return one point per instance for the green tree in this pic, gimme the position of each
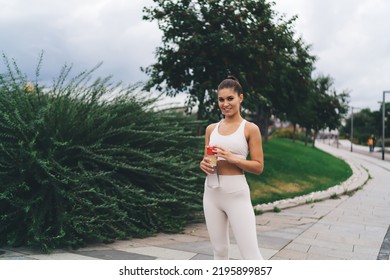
(363, 125)
(325, 108)
(293, 85)
(366, 123)
(205, 40)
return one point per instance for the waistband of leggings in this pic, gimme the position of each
(231, 183)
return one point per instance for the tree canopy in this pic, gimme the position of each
(204, 41)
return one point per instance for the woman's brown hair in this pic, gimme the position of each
(231, 82)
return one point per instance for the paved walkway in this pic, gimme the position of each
(354, 226)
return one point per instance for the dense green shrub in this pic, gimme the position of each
(283, 133)
(289, 134)
(86, 160)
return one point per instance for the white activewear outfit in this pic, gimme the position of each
(230, 203)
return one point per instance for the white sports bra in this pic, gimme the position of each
(236, 142)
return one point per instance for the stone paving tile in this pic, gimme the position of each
(267, 253)
(202, 257)
(318, 227)
(323, 256)
(325, 244)
(162, 253)
(366, 250)
(304, 248)
(94, 247)
(62, 256)
(298, 229)
(309, 234)
(333, 237)
(200, 247)
(280, 233)
(115, 255)
(120, 244)
(372, 236)
(364, 256)
(287, 254)
(330, 253)
(275, 258)
(270, 242)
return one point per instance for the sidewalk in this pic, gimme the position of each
(355, 226)
(346, 145)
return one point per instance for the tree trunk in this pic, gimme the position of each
(266, 126)
(314, 138)
(262, 120)
(200, 113)
(306, 136)
(294, 132)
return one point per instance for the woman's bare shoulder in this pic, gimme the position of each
(252, 130)
(211, 127)
(251, 127)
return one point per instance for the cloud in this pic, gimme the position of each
(349, 38)
(82, 33)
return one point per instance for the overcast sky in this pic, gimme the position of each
(349, 37)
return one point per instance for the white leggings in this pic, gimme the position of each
(231, 203)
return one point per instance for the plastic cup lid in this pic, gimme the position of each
(210, 150)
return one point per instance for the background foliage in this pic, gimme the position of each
(205, 40)
(87, 160)
(367, 123)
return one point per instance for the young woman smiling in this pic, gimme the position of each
(229, 202)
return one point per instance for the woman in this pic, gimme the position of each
(229, 202)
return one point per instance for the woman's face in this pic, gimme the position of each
(229, 101)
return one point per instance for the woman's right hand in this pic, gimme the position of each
(206, 166)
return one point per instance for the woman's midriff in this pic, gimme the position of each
(226, 168)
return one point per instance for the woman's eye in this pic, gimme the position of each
(228, 99)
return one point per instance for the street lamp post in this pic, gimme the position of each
(383, 124)
(351, 128)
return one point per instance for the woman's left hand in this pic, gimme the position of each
(225, 154)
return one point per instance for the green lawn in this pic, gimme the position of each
(293, 169)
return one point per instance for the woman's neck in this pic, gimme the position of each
(233, 119)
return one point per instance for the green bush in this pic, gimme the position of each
(283, 133)
(288, 133)
(87, 160)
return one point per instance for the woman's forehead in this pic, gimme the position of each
(225, 92)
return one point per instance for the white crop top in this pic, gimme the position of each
(236, 142)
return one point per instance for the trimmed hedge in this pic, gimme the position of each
(88, 160)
